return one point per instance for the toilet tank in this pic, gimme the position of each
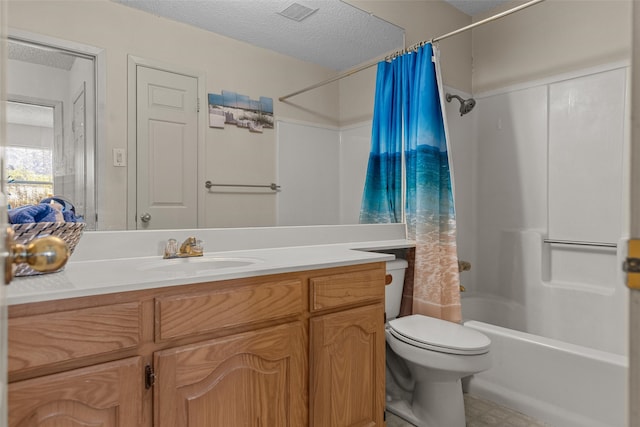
(393, 291)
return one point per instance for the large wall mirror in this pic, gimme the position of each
(73, 126)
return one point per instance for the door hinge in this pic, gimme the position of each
(198, 105)
(149, 377)
(631, 264)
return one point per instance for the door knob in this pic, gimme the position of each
(145, 217)
(48, 253)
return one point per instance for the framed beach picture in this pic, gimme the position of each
(232, 108)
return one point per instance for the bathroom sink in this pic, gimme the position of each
(196, 265)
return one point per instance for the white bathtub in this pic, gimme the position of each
(562, 384)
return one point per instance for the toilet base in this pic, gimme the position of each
(439, 403)
(402, 409)
(434, 404)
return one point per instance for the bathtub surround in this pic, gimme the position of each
(517, 175)
(522, 194)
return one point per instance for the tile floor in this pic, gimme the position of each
(482, 413)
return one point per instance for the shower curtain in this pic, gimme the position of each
(382, 200)
(415, 89)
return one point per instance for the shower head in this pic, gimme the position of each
(466, 105)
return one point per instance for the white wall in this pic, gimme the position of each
(549, 38)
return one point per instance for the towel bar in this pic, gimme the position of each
(580, 243)
(271, 186)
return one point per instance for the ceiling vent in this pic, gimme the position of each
(297, 12)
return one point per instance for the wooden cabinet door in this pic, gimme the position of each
(347, 368)
(255, 379)
(106, 395)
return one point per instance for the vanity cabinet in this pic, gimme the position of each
(291, 349)
(347, 352)
(249, 379)
(106, 395)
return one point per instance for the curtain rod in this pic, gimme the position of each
(412, 47)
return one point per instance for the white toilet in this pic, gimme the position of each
(426, 359)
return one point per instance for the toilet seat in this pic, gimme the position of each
(439, 335)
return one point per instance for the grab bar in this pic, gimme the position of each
(579, 243)
(272, 186)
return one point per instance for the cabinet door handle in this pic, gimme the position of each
(149, 377)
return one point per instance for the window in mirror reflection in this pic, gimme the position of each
(29, 153)
(51, 125)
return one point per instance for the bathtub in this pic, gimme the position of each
(562, 384)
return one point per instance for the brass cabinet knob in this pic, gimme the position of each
(48, 253)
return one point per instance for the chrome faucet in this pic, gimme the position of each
(191, 247)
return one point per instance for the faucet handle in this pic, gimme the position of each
(171, 248)
(198, 247)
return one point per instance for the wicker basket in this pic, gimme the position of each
(70, 232)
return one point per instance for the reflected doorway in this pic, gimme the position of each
(51, 124)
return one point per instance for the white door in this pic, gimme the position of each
(3, 305)
(3, 222)
(634, 252)
(167, 149)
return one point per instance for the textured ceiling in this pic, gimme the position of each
(26, 52)
(337, 36)
(474, 7)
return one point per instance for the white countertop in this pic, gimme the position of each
(103, 276)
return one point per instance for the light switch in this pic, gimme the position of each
(119, 157)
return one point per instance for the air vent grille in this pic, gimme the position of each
(297, 12)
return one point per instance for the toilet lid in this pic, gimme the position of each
(439, 335)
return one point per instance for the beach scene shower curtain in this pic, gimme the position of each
(382, 200)
(429, 204)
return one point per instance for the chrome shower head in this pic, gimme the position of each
(466, 105)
